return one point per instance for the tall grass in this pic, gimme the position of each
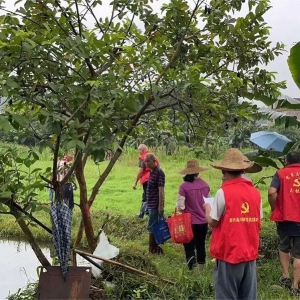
(117, 195)
(118, 203)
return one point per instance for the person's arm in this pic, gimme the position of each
(211, 222)
(180, 204)
(272, 196)
(214, 213)
(272, 192)
(161, 195)
(138, 176)
(261, 210)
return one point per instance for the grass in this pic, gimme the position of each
(118, 203)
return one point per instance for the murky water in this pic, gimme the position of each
(18, 265)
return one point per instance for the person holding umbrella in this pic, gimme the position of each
(284, 200)
(235, 219)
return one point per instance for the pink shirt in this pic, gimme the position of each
(193, 193)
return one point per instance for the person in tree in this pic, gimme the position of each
(143, 176)
(63, 167)
(190, 199)
(284, 200)
(235, 218)
(155, 196)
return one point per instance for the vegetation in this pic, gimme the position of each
(118, 207)
(75, 87)
(86, 88)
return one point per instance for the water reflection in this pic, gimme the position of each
(19, 265)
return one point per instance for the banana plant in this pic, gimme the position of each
(294, 63)
(269, 157)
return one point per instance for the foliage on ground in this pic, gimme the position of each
(189, 285)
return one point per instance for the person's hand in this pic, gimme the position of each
(161, 210)
(134, 187)
(207, 207)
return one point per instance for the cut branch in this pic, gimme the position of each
(116, 263)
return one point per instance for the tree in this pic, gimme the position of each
(95, 86)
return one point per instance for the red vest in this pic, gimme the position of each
(287, 205)
(146, 171)
(235, 239)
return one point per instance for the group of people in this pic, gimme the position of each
(152, 178)
(235, 217)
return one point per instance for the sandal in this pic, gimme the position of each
(285, 282)
(294, 291)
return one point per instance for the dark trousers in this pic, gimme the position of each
(145, 184)
(198, 244)
(144, 209)
(68, 195)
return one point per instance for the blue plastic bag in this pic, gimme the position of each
(161, 231)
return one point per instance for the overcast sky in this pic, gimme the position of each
(284, 19)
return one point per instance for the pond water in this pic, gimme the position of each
(18, 265)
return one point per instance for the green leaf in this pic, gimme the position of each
(5, 194)
(71, 144)
(98, 155)
(12, 83)
(80, 144)
(294, 63)
(21, 120)
(265, 162)
(4, 124)
(56, 127)
(53, 86)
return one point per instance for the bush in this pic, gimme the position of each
(269, 240)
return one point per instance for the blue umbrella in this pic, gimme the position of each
(61, 217)
(269, 140)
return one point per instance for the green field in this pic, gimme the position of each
(117, 195)
(121, 202)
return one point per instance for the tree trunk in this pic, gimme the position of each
(79, 234)
(85, 211)
(35, 247)
(92, 198)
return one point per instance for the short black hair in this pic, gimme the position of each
(293, 157)
(234, 173)
(190, 177)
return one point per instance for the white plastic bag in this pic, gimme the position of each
(104, 249)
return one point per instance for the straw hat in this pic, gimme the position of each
(234, 160)
(192, 167)
(255, 168)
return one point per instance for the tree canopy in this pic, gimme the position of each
(83, 87)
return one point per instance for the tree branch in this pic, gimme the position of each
(55, 159)
(78, 19)
(224, 64)
(175, 55)
(78, 109)
(92, 12)
(20, 15)
(63, 11)
(138, 115)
